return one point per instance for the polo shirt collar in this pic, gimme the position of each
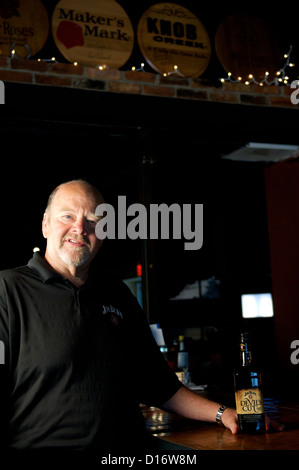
(38, 264)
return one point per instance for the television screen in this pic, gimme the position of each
(257, 305)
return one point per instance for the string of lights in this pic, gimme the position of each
(174, 71)
(281, 77)
(141, 68)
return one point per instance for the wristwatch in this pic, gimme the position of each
(219, 414)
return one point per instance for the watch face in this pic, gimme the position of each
(220, 413)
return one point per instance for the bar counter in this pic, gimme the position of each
(210, 436)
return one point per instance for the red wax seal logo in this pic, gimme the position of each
(70, 34)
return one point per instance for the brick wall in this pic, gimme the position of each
(141, 83)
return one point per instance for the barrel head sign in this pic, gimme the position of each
(93, 32)
(24, 27)
(245, 46)
(170, 35)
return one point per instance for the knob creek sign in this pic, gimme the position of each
(93, 32)
(169, 35)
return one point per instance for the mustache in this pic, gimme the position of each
(78, 238)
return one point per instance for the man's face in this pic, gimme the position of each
(70, 226)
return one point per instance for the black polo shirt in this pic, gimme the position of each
(79, 361)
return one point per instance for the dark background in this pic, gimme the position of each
(52, 135)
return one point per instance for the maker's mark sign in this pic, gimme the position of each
(93, 32)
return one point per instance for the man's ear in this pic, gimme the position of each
(45, 225)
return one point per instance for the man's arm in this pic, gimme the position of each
(190, 405)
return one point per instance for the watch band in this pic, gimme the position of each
(219, 414)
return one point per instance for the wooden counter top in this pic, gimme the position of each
(209, 436)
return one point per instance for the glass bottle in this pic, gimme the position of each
(248, 392)
(183, 355)
(183, 361)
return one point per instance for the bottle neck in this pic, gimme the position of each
(181, 343)
(245, 353)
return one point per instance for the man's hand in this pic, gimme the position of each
(230, 420)
(274, 426)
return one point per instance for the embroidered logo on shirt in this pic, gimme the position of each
(115, 315)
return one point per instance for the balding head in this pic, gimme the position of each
(78, 185)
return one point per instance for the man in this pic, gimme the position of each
(80, 356)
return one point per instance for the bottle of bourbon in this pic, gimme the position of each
(248, 392)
